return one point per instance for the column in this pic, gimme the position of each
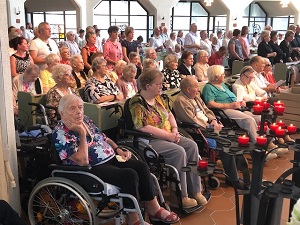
(90, 5)
(296, 7)
(80, 6)
(163, 11)
(8, 153)
(16, 13)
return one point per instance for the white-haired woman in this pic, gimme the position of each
(46, 75)
(202, 65)
(117, 72)
(217, 95)
(127, 83)
(62, 75)
(77, 71)
(99, 88)
(65, 55)
(29, 81)
(172, 77)
(79, 142)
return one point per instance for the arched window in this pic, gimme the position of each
(185, 13)
(123, 13)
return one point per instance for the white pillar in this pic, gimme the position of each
(16, 13)
(80, 6)
(90, 5)
(296, 7)
(8, 151)
(235, 13)
(163, 11)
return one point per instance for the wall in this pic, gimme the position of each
(7, 131)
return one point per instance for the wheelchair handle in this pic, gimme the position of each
(175, 93)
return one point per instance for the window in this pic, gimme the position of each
(60, 21)
(185, 13)
(124, 13)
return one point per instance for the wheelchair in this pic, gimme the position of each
(165, 173)
(72, 195)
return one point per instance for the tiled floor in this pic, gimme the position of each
(220, 210)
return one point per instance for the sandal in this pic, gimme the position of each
(172, 218)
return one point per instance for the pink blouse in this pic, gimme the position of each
(112, 51)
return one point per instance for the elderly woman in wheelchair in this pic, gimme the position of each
(151, 115)
(78, 141)
(190, 108)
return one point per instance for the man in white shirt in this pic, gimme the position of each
(28, 34)
(258, 64)
(98, 40)
(156, 41)
(43, 45)
(71, 44)
(192, 41)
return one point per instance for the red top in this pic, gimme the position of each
(215, 59)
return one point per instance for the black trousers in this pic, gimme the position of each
(8, 216)
(132, 177)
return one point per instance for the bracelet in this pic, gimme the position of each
(115, 97)
(115, 149)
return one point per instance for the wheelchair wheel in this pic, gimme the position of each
(58, 200)
(213, 183)
(134, 152)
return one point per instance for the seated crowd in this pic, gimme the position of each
(114, 71)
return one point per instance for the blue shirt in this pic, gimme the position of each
(214, 93)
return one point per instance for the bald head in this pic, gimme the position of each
(187, 82)
(257, 63)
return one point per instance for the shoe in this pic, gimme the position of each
(189, 203)
(271, 146)
(271, 155)
(287, 138)
(281, 151)
(201, 200)
(172, 218)
(239, 184)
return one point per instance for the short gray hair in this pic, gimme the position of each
(169, 59)
(129, 69)
(188, 81)
(66, 100)
(50, 58)
(264, 34)
(74, 58)
(147, 63)
(148, 51)
(119, 64)
(96, 63)
(32, 68)
(201, 53)
(59, 70)
(214, 72)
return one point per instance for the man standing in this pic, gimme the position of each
(42, 46)
(192, 41)
(71, 44)
(28, 34)
(98, 40)
(156, 41)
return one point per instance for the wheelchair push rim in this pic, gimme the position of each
(60, 201)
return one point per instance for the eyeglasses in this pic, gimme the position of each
(50, 49)
(252, 78)
(68, 74)
(268, 65)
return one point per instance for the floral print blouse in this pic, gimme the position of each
(67, 142)
(171, 79)
(143, 114)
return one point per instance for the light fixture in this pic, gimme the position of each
(208, 2)
(284, 3)
(17, 10)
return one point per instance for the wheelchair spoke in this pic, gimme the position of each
(59, 204)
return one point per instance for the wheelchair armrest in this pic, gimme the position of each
(71, 167)
(189, 125)
(138, 133)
